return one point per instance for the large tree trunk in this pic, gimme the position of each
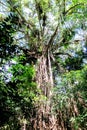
(44, 119)
(44, 75)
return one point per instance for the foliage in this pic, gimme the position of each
(8, 26)
(71, 95)
(29, 30)
(17, 95)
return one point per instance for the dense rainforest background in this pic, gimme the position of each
(43, 64)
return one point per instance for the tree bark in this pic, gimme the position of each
(44, 76)
(44, 119)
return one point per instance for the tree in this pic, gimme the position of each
(43, 35)
(70, 100)
(18, 94)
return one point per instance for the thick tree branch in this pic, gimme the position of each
(52, 38)
(61, 53)
(41, 16)
(30, 25)
(30, 53)
(73, 7)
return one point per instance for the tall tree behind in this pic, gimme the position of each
(41, 33)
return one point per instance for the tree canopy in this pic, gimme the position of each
(43, 64)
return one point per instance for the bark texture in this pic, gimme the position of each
(44, 75)
(44, 118)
